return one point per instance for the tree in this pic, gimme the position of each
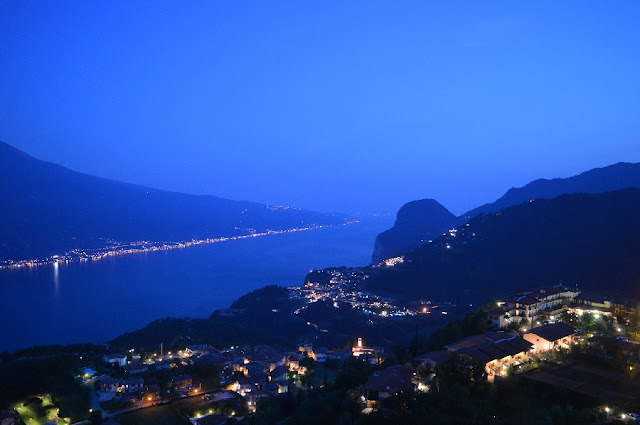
(95, 417)
(415, 343)
(462, 369)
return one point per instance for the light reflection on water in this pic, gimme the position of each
(96, 301)
(56, 279)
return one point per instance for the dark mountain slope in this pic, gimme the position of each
(411, 233)
(598, 180)
(417, 222)
(592, 240)
(48, 209)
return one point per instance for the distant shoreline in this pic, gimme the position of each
(120, 248)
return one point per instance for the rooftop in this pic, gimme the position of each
(526, 299)
(594, 298)
(498, 350)
(476, 340)
(627, 302)
(545, 291)
(435, 356)
(212, 358)
(606, 341)
(107, 380)
(553, 331)
(279, 371)
(392, 379)
(484, 347)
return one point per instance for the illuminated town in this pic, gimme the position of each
(343, 288)
(114, 249)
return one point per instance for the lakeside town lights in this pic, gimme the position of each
(133, 247)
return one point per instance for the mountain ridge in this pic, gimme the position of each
(596, 180)
(613, 177)
(592, 240)
(50, 209)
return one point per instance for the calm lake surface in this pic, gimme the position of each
(96, 301)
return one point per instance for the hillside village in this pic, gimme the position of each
(549, 335)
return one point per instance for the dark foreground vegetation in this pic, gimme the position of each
(332, 392)
(53, 374)
(267, 316)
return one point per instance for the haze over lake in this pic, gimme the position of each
(96, 301)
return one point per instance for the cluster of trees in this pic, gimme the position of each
(473, 323)
(455, 404)
(264, 316)
(590, 322)
(53, 374)
(93, 350)
(336, 402)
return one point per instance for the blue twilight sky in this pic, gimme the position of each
(341, 106)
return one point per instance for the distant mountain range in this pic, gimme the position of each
(48, 209)
(419, 221)
(589, 240)
(598, 180)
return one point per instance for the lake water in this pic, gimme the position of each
(96, 301)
